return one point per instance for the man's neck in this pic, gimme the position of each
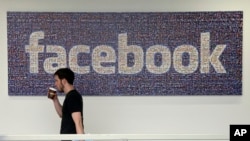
(68, 88)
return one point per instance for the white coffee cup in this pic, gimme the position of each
(51, 93)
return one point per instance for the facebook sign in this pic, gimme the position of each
(127, 54)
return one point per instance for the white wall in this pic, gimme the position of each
(170, 114)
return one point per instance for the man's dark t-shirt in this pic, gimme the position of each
(72, 103)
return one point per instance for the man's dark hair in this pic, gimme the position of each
(65, 73)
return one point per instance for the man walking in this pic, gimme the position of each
(71, 112)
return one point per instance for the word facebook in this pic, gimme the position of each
(207, 59)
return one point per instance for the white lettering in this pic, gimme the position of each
(166, 59)
(33, 49)
(73, 61)
(98, 59)
(58, 62)
(239, 132)
(123, 51)
(206, 58)
(104, 59)
(193, 59)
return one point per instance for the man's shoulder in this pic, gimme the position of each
(73, 93)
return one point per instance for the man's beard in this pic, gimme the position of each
(61, 89)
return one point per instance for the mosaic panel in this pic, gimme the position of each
(127, 54)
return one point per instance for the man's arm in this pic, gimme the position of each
(58, 106)
(78, 122)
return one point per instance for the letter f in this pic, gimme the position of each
(33, 49)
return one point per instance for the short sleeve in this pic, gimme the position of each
(75, 103)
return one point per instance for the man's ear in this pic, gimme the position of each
(64, 81)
